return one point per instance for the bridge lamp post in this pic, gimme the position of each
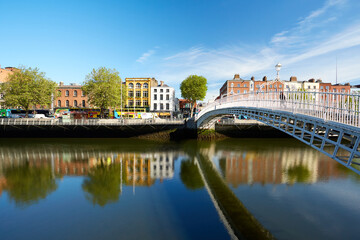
(277, 68)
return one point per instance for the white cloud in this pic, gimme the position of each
(145, 56)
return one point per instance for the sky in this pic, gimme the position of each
(172, 39)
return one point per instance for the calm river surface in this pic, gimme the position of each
(134, 189)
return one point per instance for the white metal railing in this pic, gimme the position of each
(337, 107)
(88, 122)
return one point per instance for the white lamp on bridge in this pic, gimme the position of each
(277, 68)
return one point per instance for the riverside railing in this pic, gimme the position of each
(88, 122)
(336, 107)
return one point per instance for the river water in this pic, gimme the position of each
(135, 189)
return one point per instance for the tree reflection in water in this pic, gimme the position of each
(190, 176)
(102, 186)
(27, 184)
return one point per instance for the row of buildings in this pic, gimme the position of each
(238, 85)
(143, 95)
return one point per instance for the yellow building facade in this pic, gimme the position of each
(138, 92)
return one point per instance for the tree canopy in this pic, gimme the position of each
(193, 88)
(28, 87)
(103, 87)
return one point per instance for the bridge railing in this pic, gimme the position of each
(337, 107)
(87, 122)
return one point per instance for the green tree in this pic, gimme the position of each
(27, 88)
(103, 184)
(103, 88)
(26, 185)
(193, 88)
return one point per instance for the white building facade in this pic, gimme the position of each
(163, 99)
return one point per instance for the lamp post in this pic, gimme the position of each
(121, 99)
(277, 68)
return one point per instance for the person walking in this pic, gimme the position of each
(282, 99)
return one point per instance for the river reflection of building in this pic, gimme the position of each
(278, 166)
(139, 169)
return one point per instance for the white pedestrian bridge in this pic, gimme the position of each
(328, 122)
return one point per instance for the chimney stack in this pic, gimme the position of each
(253, 78)
(61, 84)
(311, 80)
(237, 76)
(161, 83)
(293, 79)
(265, 78)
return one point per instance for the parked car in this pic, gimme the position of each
(39, 116)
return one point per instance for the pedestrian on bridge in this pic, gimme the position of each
(282, 99)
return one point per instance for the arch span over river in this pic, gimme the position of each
(318, 119)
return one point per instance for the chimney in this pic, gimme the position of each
(237, 76)
(265, 78)
(253, 78)
(293, 79)
(319, 81)
(347, 84)
(311, 80)
(61, 84)
(161, 83)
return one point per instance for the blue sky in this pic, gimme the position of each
(172, 39)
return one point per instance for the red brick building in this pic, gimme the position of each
(71, 96)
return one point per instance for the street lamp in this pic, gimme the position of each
(277, 68)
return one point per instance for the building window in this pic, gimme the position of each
(131, 85)
(145, 94)
(232, 84)
(161, 90)
(131, 103)
(245, 85)
(155, 97)
(167, 97)
(75, 103)
(138, 94)
(161, 97)
(59, 103)
(82, 94)
(258, 86)
(161, 106)
(67, 103)
(308, 87)
(145, 103)
(145, 85)
(244, 91)
(155, 90)
(138, 85)
(59, 93)
(83, 103)
(343, 90)
(138, 103)
(238, 91)
(66, 93)
(280, 86)
(131, 93)
(75, 93)
(167, 90)
(327, 87)
(270, 86)
(167, 106)
(321, 87)
(155, 106)
(238, 85)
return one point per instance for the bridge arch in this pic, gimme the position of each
(316, 119)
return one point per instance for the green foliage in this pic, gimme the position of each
(103, 88)
(190, 175)
(26, 185)
(28, 87)
(103, 184)
(194, 88)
